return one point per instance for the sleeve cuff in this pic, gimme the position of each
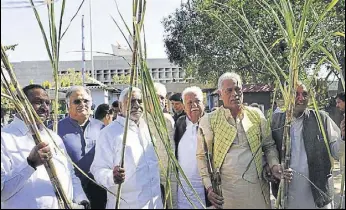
(26, 169)
(207, 183)
(80, 197)
(273, 161)
(110, 180)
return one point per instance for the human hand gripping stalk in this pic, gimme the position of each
(215, 191)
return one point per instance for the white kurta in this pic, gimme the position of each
(239, 184)
(21, 185)
(141, 188)
(299, 190)
(188, 162)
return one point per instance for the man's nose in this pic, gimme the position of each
(135, 103)
(194, 104)
(45, 105)
(300, 97)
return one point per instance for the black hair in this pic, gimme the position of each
(27, 88)
(102, 110)
(176, 97)
(254, 105)
(341, 96)
(115, 104)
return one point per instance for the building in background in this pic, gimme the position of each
(253, 93)
(105, 68)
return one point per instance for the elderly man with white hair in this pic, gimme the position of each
(79, 132)
(185, 138)
(140, 176)
(236, 135)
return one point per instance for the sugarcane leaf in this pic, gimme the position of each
(329, 7)
(42, 30)
(122, 33)
(338, 33)
(74, 16)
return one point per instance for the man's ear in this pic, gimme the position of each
(219, 92)
(120, 107)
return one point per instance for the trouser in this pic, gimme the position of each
(96, 195)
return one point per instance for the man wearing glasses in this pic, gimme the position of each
(79, 132)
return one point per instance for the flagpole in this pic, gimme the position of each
(83, 52)
(91, 41)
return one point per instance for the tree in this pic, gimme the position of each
(123, 79)
(197, 40)
(72, 77)
(5, 102)
(46, 84)
(10, 47)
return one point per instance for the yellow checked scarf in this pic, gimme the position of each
(225, 133)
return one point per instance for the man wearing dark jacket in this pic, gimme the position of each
(185, 138)
(309, 154)
(178, 106)
(79, 132)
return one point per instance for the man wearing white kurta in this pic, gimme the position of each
(24, 180)
(185, 138)
(141, 185)
(309, 154)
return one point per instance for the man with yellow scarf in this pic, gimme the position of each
(240, 143)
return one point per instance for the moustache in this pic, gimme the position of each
(41, 111)
(136, 110)
(82, 108)
(236, 99)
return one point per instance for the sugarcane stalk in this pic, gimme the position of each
(27, 116)
(148, 88)
(133, 71)
(214, 174)
(342, 169)
(342, 192)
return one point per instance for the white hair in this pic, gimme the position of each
(160, 89)
(125, 92)
(300, 83)
(230, 75)
(195, 90)
(73, 89)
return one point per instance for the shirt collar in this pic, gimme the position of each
(189, 122)
(228, 113)
(21, 126)
(122, 121)
(75, 122)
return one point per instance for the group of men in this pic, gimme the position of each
(230, 156)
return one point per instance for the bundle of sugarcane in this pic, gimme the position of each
(140, 70)
(214, 174)
(26, 112)
(53, 44)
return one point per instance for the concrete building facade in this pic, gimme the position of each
(105, 68)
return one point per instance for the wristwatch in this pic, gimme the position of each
(31, 163)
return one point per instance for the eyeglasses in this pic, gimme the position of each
(133, 101)
(79, 101)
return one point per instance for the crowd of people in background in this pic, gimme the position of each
(245, 151)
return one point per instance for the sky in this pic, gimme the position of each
(19, 26)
